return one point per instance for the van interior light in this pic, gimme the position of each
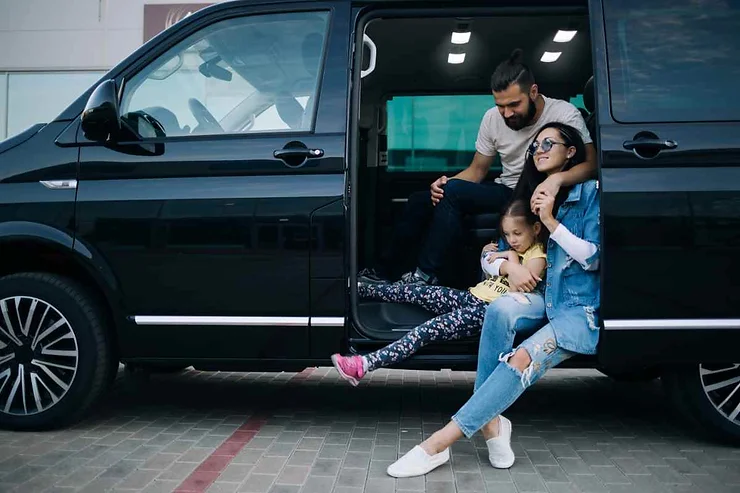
(456, 58)
(549, 56)
(460, 38)
(564, 36)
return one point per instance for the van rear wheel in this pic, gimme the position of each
(54, 356)
(708, 395)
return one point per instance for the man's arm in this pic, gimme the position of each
(581, 172)
(477, 170)
(577, 174)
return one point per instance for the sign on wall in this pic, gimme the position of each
(157, 18)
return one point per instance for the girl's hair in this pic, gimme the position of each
(531, 177)
(520, 208)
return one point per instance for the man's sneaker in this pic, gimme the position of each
(350, 368)
(417, 277)
(371, 276)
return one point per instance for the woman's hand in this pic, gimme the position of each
(551, 185)
(542, 205)
(520, 278)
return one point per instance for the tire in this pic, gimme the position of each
(707, 396)
(632, 375)
(54, 356)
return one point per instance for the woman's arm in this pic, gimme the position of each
(579, 250)
(536, 266)
(584, 250)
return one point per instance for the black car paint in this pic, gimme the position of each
(217, 226)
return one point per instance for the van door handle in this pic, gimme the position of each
(652, 144)
(297, 152)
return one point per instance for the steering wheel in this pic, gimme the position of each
(204, 117)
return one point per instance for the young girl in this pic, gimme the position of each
(569, 311)
(460, 313)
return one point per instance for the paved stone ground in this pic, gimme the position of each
(575, 431)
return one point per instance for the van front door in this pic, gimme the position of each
(211, 233)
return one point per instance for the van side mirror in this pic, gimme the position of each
(100, 118)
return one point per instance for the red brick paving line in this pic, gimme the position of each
(211, 468)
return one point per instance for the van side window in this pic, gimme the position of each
(434, 133)
(673, 60)
(250, 74)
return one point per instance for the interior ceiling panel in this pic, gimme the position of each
(412, 54)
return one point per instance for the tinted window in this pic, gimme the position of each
(673, 60)
(434, 133)
(250, 74)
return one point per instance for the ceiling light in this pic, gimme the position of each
(456, 58)
(564, 36)
(549, 56)
(460, 38)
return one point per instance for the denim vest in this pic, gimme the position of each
(572, 293)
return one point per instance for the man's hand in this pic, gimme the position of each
(520, 278)
(551, 185)
(436, 189)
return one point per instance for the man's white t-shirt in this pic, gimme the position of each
(511, 145)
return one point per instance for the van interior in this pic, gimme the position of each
(418, 120)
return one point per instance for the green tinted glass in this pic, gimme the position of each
(434, 133)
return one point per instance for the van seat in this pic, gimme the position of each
(483, 227)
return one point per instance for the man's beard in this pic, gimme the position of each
(518, 122)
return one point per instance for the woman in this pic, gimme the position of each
(569, 310)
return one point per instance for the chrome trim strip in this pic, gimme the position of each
(59, 184)
(698, 323)
(204, 320)
(239, 321)
(400, 200)
(327, 321)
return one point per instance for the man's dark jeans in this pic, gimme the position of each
(435, 231)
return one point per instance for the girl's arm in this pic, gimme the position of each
(491, 263)
(509, 255)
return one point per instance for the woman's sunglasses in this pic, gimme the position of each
(546, 145)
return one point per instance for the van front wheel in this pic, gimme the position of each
(54, 356)
(708, 395)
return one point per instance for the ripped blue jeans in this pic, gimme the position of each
(497, 383)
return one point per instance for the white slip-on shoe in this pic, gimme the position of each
(500, 453)
(417, 462)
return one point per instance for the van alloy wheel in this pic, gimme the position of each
(721, 384)
(39, 356)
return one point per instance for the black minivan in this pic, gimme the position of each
(211, 199)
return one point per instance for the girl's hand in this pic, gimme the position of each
(491, 247)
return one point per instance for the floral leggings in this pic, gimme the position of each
(460, 314)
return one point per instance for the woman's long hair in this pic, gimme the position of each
(531, 177)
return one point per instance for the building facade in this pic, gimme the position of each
(53, 50)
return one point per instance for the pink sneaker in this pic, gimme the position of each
(349, 367)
